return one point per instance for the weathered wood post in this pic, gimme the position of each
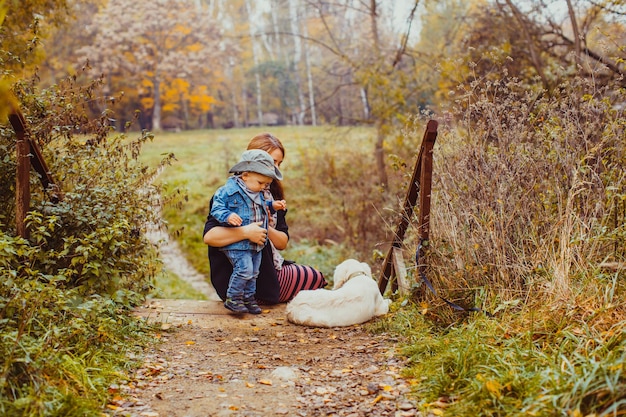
(22, 179)
(426, 180)
(420, 185)
(28, 154)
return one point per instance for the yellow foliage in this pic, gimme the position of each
(493, 387)
(185, 30)
(147, 83)
(8, 101)
(200, 99)
(147, 103)
(173, 93)
(195, 47)
(3, 11)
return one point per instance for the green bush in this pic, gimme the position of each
(66, 292)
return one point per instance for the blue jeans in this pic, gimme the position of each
(246, 265)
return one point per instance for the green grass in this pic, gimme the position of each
(169, 285)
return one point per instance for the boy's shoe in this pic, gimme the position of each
(252, 306)
(235, 305)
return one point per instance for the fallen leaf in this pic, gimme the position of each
(377, 399)
(494, 387)
(249, 385)
(437, 411)
(265, 382)
(190, 342)
(233, 407)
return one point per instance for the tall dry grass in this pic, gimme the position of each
(527, 222)
(529, 197)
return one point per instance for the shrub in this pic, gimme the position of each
(528, 192)
(528, 222)
(64, 304)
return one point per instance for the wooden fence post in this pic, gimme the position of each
(22, 179)
(423, 224)
(393, 266)
(26, 151)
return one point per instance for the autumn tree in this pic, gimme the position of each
(25, 24)
(153, 47)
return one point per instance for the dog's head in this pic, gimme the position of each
(348, 269)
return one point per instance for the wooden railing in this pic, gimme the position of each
(421, 185)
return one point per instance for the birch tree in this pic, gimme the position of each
(256, 58)
(297, 57)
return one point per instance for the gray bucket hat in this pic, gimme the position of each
(259, 161)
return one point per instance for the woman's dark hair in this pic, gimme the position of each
(269, 143)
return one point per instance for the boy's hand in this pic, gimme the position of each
(234, 220)
(279, 205)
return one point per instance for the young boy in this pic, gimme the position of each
(239, 202)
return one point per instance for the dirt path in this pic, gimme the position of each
(211, 363)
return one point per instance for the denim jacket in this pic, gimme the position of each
(230, 198)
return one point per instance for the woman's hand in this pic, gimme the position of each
(220, 236)
(255, 233)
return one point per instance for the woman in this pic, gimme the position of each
(279, 280)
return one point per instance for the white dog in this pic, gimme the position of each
(355, 298)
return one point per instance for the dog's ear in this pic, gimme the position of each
(339, 275)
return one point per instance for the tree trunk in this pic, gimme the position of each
(255, 58)
(156, 111)
(576, 32)
(297, 57)
(382, 122)
(309, 76)
(366, 104)
(534, 55)
(379, 153)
